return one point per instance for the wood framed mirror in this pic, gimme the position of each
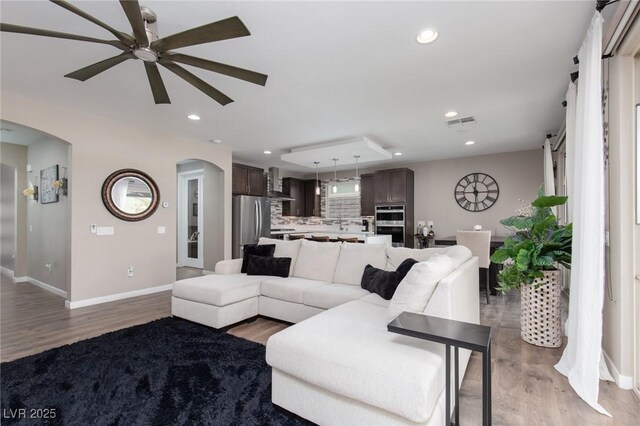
(130, 195)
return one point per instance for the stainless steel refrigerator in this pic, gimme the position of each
(251, 220)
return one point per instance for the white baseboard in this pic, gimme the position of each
(623, 382)
(205, 272)
(118, 296)
(6, 271)
(42, 285)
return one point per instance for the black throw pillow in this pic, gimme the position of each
(384, 283)
(269, 265)
(256, 250)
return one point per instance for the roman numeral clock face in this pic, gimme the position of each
(476, 192)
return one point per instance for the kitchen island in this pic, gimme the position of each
(367, 237)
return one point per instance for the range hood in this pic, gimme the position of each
(274, 181)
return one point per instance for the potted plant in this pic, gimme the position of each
(531, 257)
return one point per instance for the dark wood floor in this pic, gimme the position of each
(526, 388)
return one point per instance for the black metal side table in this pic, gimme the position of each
(458, 334)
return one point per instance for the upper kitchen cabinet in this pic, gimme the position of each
(247, 180)
(295, 189)
(367, 205)
(393, 186)
(311, 199)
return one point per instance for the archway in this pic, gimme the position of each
(200, 216)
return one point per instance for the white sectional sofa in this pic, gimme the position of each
(339, 364)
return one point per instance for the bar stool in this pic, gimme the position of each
(479, 242)
(320, 238)
(296, 236)
(348, 239)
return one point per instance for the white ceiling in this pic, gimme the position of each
(19, 135)
(336, 70)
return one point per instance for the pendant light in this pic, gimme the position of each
(317, 180)
(357, 187)
(334, 188)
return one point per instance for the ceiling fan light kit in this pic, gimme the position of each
(144, 44)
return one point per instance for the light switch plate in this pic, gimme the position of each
(161, 230)
(430, 223)
(105, 230)
(94, 228)
(421, 223)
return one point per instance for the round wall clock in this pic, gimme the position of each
(476, 192)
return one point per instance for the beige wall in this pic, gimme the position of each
(48, 224)
(618, 327)
(100, 146)
(518, 174)
(16, 156)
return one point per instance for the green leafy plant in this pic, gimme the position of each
(538, 244)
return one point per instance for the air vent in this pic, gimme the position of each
(461, 121)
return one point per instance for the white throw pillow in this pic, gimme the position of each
(353, 259)
(459, 255)
(284, 249)
(397, 255)
(317, 260)
(415, 290)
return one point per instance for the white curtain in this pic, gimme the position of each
(581, 359)
(549, 182)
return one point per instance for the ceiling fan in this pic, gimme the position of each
(144, 44)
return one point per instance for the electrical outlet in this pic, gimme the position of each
(430, 223)
(130, 272)
(421, 223)
(48, 267)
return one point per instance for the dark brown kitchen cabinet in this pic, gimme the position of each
(393, 186)
(295, 189)
(367, 205)
(311, 199)
(246, 180)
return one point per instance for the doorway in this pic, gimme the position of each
(190, 218)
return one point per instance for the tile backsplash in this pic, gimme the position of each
(345, 209)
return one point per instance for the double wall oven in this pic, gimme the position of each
(390, 220)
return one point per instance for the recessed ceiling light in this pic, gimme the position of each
(469, 142)
(193, 117)
(216, 140)
(451, 114)
(427, 36)
(267, 152)
(397, 154)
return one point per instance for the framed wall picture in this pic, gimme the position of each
(47, 192)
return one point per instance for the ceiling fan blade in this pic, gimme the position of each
(10, 28)
(132, 10)
(215, 31)
(160, 94)
(231, 71)
(196, 82)
(86, 73)
(125, 38)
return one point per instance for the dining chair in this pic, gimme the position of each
(348, 239)
(479, 242)
(320, 238)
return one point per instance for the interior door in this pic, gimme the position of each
(190, 219)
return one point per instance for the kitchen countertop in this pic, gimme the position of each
(323, 232)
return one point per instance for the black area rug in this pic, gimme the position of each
(166, 372)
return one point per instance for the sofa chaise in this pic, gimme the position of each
(338, 364)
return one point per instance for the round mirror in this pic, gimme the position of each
(130, 194)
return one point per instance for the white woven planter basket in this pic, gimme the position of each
(540, 322)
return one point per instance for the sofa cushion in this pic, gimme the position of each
(268, 265)
(219, 290)
(328, 296)
(284, 249)
(459, 255)
(384, 282)
(255, 250)
(353, 259)
(348, 350)
(396, 255)
(375, 299)
(289, 289)
(414, 292)
(317, 260)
